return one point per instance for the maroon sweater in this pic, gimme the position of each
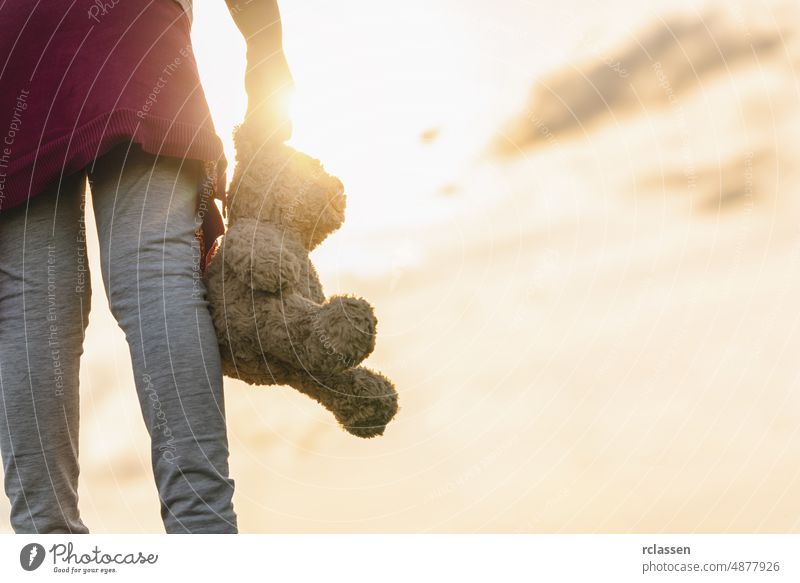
(75, 82)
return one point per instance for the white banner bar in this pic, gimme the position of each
(401, 558)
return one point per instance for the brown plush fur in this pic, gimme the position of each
(274, 324)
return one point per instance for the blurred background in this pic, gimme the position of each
(578, 222)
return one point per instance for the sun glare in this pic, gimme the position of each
(383, 97)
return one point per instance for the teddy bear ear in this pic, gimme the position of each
(244, 142)
(252, 140)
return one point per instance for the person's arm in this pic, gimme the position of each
(268, 81)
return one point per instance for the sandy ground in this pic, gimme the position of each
(603, 337)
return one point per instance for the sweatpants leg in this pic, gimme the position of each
(44, 310)
(147, 213)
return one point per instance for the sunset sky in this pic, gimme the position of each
(372, 78)
(596, 331)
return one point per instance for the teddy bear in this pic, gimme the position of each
(274, 324)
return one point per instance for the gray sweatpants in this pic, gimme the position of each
(146, 210)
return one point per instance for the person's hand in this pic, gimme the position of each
(269, 89)
(268, 81)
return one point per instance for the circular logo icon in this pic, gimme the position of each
(31, 556)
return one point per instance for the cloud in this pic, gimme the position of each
(666, 61)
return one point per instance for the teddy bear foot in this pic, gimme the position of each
(363, 401)
(345, 330)
(367, 427)
(372, 406)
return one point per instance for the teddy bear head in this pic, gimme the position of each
(276, 183)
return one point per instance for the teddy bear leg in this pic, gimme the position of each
(363, 401)
(342, 335)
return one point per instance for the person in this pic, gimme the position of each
(110, 94)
